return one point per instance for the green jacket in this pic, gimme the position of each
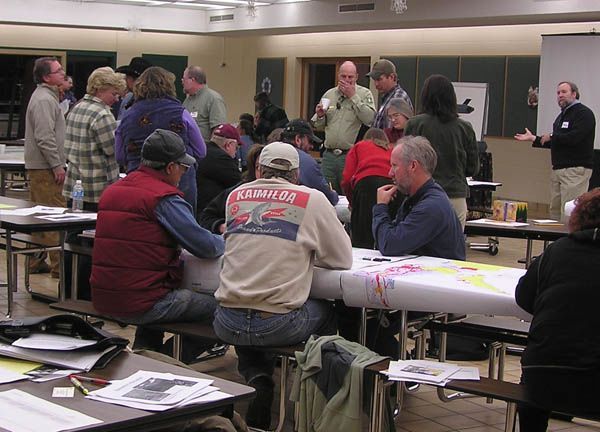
(456, 148)
(344, 117)
(343, 410)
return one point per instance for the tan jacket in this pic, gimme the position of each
(344, 117)
(276, 232)
(44, 130)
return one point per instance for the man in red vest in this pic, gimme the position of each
(143, 221)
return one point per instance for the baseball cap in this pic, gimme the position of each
(382, 67)
(300, 127)
(136, 66)
(279, 150)
(228, 131)
(165, 146)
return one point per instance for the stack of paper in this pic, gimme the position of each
(63, 354)
(155, 391)
(429, 372)
(22, 412)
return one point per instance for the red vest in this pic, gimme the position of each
(135, 261)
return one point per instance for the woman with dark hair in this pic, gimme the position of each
(367, 168)
(452, 138)
(561, 363)
(156, 107)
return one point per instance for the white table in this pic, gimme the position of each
(406, 283)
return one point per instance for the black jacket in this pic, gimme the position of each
(572, 143)
(562, 290)
(215, 173)
(213, 215)
(270, 117)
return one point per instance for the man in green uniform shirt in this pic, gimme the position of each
(205, 105)
(341, 112)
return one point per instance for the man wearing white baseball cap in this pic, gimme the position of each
(276, 232)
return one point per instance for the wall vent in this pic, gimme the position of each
(356, 7)
(219, 18)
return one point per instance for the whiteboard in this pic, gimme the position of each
(570, 57)
(478, 93)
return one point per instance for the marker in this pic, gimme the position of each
(376, 259)
(98, 381)
(77, 384)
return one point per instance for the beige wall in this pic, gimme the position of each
(523, 171)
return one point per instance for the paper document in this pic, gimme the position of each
(70, 217)
(51, 341)
(421, 370)
(16, 365)
(81, 360)
(22, 412)
(49, 373)
(499, 223)
(154, 391)
(546, 222)
(33, 210)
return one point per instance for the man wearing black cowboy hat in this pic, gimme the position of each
(132, 72)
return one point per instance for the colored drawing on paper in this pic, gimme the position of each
(381, 281)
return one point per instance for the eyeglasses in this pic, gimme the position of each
(60, 70)
(394, 116)
(184, 166)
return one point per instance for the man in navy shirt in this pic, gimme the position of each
(425, 223)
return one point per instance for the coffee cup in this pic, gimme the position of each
(325, 102)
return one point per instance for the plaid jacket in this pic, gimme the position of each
(90, 148)
(381, 120)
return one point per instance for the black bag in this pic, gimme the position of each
(65, 325)
(459, 348)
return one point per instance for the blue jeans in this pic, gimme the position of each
(180, 305)
(246, 329)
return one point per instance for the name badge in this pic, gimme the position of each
(565, 125)
(194, 114)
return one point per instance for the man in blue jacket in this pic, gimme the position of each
(425, 224)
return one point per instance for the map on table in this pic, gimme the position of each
(390, 285)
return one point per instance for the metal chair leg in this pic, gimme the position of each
(285, 361)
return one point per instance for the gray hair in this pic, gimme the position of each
(267, 172)
(418, 148)
(41, 68)
(158, 166)
(197, 73)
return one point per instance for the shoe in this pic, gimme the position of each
(42, 267)
(258, 415)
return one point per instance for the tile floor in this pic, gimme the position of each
(422, 411)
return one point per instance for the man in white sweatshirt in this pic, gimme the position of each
(276, 232)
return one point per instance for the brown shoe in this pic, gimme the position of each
(41, 267)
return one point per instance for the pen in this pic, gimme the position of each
(377, 259)
(99, 381)
(77, 384)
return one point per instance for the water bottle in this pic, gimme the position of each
(77, 196)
